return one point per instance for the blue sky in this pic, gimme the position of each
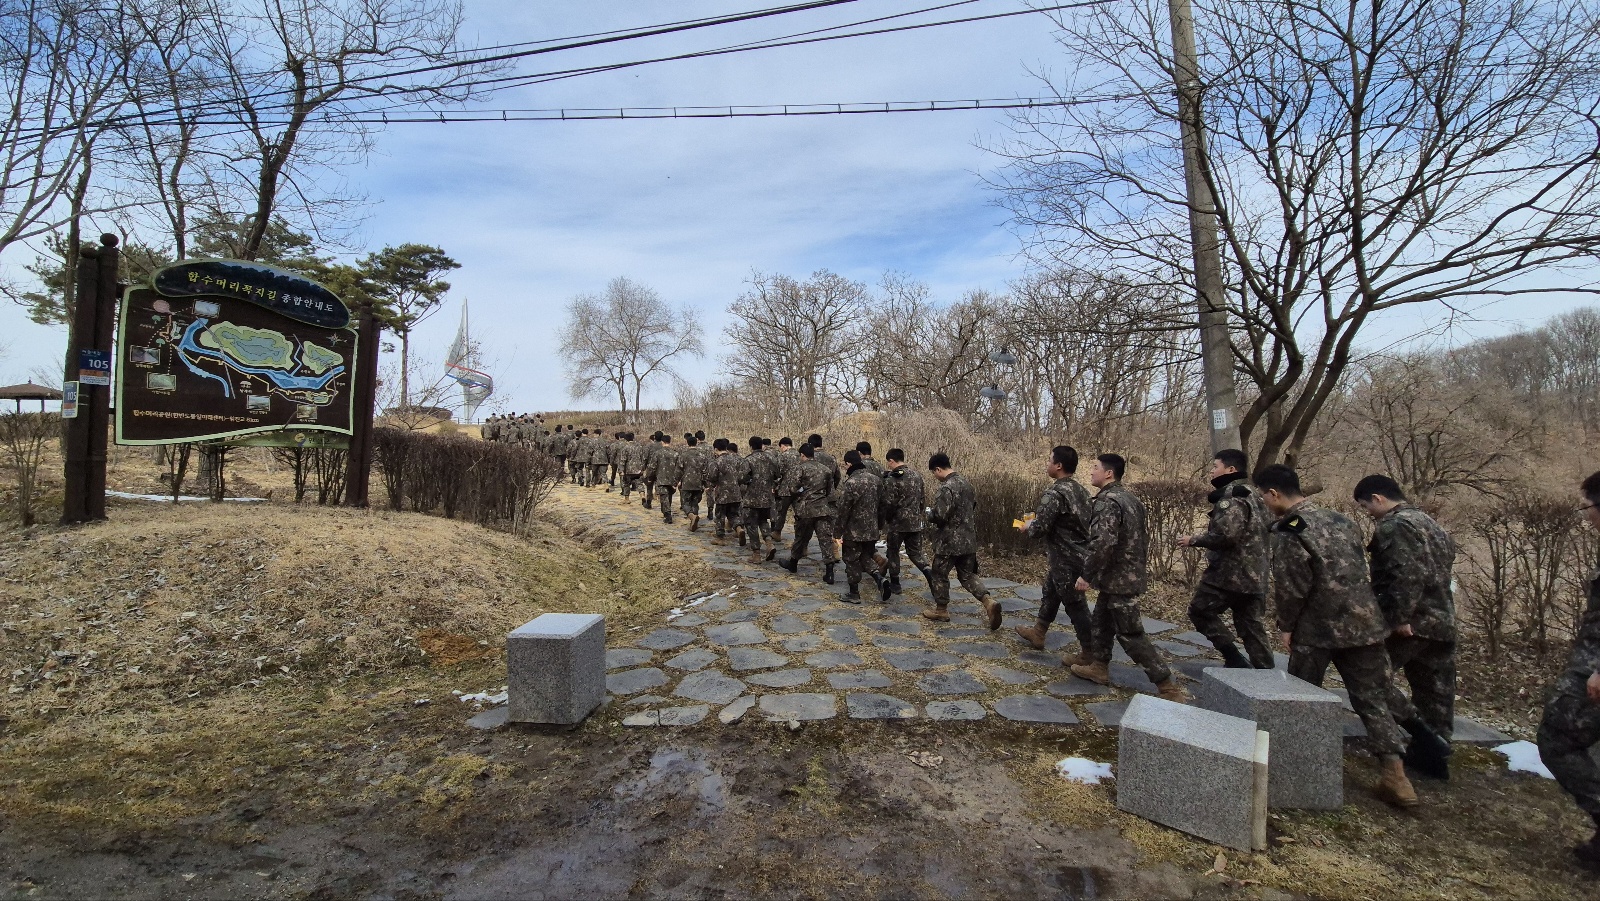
(537, 212)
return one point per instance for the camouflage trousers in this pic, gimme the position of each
(649, 491)
(727, 516)
(1430, 669)
(629, 483)
(1059, 591)
(1366, 674)
(858, 560)
(1571, 726)
(665, 493)
(689, 500)
(1117, 616)
(577, 468)
(966, 569)
(757, 525)
(915, 552)
(780, 512)
(1249, 617)
(597, 474)
(561, 464)
(804, 528)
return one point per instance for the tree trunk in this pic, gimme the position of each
(405, 368)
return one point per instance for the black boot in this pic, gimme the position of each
(1428, 753)
(894, 584)
(792, 564)
(885, 589)
(666, 515)
(1233, 657)
(1588, 853)
(827, 574)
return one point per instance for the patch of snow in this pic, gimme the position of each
(167, 498)
(1523, 757)
(1087, 772)
(488, 696)
(696, 602)
(674, 613)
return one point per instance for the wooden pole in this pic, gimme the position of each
(358, 468)
(84, 465)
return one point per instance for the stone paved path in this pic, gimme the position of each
(786, 647)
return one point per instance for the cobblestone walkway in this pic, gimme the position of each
(788, 648)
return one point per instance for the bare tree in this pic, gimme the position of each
(1364, 157)
(623, 339)
(24, 437)
(793, 335)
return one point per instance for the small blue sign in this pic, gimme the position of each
(94, 367)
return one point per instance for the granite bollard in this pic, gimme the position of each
(1305, 723)
(556, 668)
(1198, 771)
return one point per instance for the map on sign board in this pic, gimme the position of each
(200, 367)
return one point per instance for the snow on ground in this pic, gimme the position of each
(1523, 757)
(1088, 772)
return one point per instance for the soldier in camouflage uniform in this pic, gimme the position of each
(1571, 724)
(864, 448)
(597, 458)
(664, 471)
(559, 447)
(1116, 563)
(613, 456)
(855, 521)
(904, 513)
(632, 465)
(825, 458)
(955, 543)
(1327, 613)
(1235, 579)
(788, 479)
(757, 478)
(692, 480)
(652, 448)
(725, 475)
(813, 512)
(1411, 561)
(578, 458)
(1062, 523)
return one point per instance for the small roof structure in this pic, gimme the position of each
(29, 391)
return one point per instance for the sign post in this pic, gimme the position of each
(84, 440)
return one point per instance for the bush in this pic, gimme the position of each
(23, 439)
(1002, 498)
(489, 483)
(1173, 509)
(1524, 556)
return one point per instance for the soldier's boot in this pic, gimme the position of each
(1588, 853)
(878, 583)
(755, 553)
(827, 573)
(894, 583)
(939, 613)
(1034, 634)
(666, 513)
(1078, 659)
(1394, 788)
(1095, 671)
(646, 500)
(740, 532)
(1428, 753)
(1234, 658)
(853, 596)
(772, 549)
(694, 522)
(1170, 690)
(885, 589)
(792, 564)
(991, 608)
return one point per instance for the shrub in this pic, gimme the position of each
(23, 438)
(493, 484)
(1173, 509)
(1002, 498)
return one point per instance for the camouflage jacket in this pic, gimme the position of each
(599, 449)
(874, 467)
(788, 473)
(728, 469)
(579, 451)
(954, 518)
(1411, 561)
(613, 450)
(647, 455)
(757, 479)
(1235, 539)
(1319, 580)
(696, 463)
(560, 442)
(826, 459)
(857, 516)
(667, 466)
(1585, 659)
(814, 490)
(1062, 521)
(1116, 560)
(904, 504)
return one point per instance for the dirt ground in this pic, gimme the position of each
(221, 701)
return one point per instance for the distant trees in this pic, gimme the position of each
(791, 339)
(619, 341)
(407, 284)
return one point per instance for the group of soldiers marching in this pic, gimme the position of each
(1374, 610)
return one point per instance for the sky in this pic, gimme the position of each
(537, 212)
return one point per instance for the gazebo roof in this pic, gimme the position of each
(29, 391)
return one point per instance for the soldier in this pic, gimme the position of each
(559, 445)
(1571, 724)
(1412, 556)
(692, 480)
(486, 429)
(578, 458)
(598, 450)
(1327, 614)
(825, 459)
(904, 514)
(757, 478)
(864, 448)
(613, 460)
(1235, 579)
(813, 512)
(1062, 523)
(856, 520)
(955, 543)
(632, 460)
(650, 451)
(787, 479)
(1115, 563)
(729, 468)
(665, 471)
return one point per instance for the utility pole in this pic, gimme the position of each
(1216, 354)
(84, 438)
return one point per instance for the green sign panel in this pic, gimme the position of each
(202, 366)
